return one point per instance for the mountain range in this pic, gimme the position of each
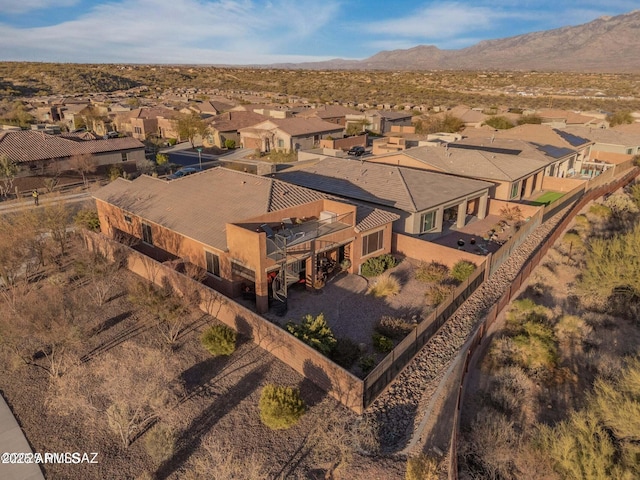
(606, 44)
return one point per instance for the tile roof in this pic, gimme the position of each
(305, 126)
(468, 162)
(29, 145)
(401, 188)
(327, 111)
(540, 134)
(613, 136)
(200, 205)
(235, 120)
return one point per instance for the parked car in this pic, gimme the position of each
(357, 151)
(183, 172)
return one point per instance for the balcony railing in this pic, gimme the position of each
(292, 235)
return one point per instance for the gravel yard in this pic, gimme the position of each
(397, 409)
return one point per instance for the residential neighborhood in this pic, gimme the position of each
(343, 245)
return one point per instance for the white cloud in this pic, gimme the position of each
(441, 21)
(190, 31)
(23, 6)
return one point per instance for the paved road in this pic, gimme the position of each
(12, 440)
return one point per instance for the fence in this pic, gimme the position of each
(403, 353)
(594, 191)
(499, 257)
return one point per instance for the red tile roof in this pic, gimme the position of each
(29, 146)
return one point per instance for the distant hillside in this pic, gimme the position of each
(607, 44)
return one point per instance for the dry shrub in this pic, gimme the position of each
(384, 286)
(572, 330)
(462, 270)
(438, 293)
(490, 447)
(394, 327)
(159, 442)
(422, 467)
(226, 463)
(511, 391)
(600, 211)
(432, 272)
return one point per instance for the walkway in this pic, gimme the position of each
(26, 203)
(12, 440)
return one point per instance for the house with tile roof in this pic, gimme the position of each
(329, 113)
(40, 153)
(226, 126)
(248, 233)
(425, 201)
(144, 122)
(380, 121)
(512, 177)
(288, 134)
(612, 146)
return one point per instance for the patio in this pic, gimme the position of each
(474, 236)
(347, 308)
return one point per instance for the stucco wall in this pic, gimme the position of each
(426, 251)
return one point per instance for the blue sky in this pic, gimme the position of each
(261, 32)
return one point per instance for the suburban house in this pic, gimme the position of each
(40, 153)
(426, 202)
(564, 155)
(380, 121)
(144, 122)
(288, 134)
(262, 235)
(511, 177)
(565, 118)
(472, 118)
(611, 147)
(225, 127)
(207, 108)
(329, 113)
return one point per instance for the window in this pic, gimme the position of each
(124, 156)
(137, 130)
(213, 263)
(372, 243)
(427, 221)
(147, 237)
(280, 143)
(515, 190)
(629, 151)
(127, 219)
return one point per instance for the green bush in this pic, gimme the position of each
(394, 327)
(219, 340)
(314, 332)
(599, 210)
(432, 272)
(230, 144)
(377, 265)
(366, 363)
(280, 407)
(87, 218)
(381, 343)
(462, 270)
(172, 141)
(499, 122)
(115, 171)
(345, 352)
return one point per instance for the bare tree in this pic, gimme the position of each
(189, 125)
(8, 172)
(83, 164)
(56, 219)
(137, 384)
